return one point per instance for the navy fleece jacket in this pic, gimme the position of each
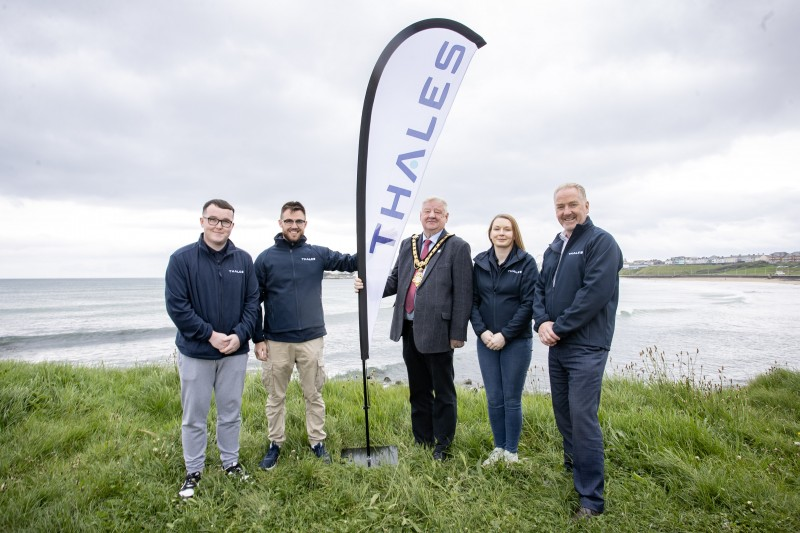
(578, 288)
(290, 280)
(503, 295)
(209, 291)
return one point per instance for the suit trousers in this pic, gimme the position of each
(199, 377)
(432, 392)
(576, 377)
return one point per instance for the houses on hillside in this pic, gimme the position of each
(778, 258)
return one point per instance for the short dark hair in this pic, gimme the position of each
(222, 204)
(293, 206)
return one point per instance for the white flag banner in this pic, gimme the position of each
(409, 96)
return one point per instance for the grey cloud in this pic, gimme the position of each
(163, 103)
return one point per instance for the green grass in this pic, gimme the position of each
(91, 449)
(758, 269)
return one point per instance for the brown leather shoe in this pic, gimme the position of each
(584, 513)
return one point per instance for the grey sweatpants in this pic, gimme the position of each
(199, 377)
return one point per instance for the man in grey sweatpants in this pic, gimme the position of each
(212, 297)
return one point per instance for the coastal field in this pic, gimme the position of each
(760, 269)
(93, 449)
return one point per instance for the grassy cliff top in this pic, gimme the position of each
(98, 449)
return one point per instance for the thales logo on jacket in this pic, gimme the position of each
(576, 253)
(515, 271)
(308, 258)
(236, 271)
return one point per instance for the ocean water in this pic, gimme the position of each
(728, 330)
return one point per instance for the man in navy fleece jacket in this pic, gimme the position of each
(574, 306)
(212, 297)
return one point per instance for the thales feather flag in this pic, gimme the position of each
(408, 99)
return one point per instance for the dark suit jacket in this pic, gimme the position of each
(444, 298)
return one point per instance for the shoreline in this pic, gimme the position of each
(789, 280)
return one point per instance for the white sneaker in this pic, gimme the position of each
(189, 485)
(236, 471)
(496, 455)
(510, 457)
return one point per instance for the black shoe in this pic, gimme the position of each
(271, 458)
(584, 513)
(319, 451)
(189, 485)
(440, 452)
(236, 471)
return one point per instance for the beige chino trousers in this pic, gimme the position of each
(276, 373)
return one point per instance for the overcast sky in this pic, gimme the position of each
(118, 120)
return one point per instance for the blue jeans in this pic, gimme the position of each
(504, 374)
(576, 377)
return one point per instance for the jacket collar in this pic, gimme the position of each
(229, 247)
(441, 234)
(557, 245)
(282, 242)
(485, 258)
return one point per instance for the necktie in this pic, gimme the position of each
(412, 289)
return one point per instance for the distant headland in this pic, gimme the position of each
(780, 265)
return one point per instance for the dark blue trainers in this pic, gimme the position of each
(319, 451)
(271, 459)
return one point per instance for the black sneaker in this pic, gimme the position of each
(236, 471)
(319, 451)
(441, 452)
(271, 459)
(189, 484)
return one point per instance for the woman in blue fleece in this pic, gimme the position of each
(504, 277)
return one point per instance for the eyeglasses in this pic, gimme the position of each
(289, 222)
(214, 221)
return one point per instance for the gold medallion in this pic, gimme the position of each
(421, 264)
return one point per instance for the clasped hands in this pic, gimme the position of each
(493, 341)
(226, 344)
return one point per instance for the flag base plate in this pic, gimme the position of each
(377, 456)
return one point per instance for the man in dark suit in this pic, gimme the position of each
(432, 279)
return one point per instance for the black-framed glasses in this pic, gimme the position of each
(214, 221)
(299, 222)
